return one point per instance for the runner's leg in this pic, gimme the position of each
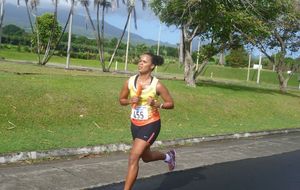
(149, 156)
(138, 147)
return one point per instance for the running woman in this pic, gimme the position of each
(142, 92)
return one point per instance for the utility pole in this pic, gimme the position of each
(158, 44)
(259, 68)
(249, 65)
(158, 41)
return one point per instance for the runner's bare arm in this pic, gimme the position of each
(168, 102)
(123, 98)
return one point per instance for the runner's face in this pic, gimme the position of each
(145, 65)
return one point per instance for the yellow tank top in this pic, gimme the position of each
(143, 114)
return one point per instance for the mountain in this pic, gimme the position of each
(18, 16)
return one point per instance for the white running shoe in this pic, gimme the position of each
(172, 162)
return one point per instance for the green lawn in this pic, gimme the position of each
(266, 76)
(12, 54)
(46, 108)
(171, 69)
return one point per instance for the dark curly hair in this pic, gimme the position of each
(156, 59)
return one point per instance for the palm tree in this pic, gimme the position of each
(70, 32)
(50, 40)
(68, 22)
(131, 8)
(29, 9)
(85, 4)
(1, 17)
(105, 4)
(33, 6)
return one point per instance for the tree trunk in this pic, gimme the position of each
(32, 30)
(282, 83)
(200, 69)
(96, 35)
(280, 70)
(100, 35)
(120, 40)
(189, 66)
(222, 59)
(181, 47)
(70, 34)
(1, 19)
(50, 40)
(69, 21)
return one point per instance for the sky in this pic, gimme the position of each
(148, 25)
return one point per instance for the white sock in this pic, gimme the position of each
(168, 158)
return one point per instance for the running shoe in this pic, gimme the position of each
(172, 162)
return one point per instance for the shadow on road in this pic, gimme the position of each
(278, 172)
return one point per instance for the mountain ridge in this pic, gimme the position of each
(81, 27)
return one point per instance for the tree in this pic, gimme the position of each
(46, 31)
(105, 4)
(238, 57)
(270, 25)
(85, 4)
(31, 10)
(13, 30)
(196, 18)
(69, 22)
(54, 38)
(98, 34)
(1, 18)
(131, 8)
(265, 24)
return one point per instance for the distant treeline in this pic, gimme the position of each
(82, 47)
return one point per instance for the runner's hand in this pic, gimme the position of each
(151, 101)
(134, 100)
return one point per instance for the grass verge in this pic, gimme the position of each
(45, 108)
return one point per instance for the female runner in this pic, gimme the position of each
(142, 92)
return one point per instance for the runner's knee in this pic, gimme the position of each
(133, 159)
(146, 159)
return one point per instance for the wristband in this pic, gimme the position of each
(161, 106)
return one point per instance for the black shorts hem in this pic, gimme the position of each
(148, 132)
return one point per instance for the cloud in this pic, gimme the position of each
(147, 22)
(144, 14)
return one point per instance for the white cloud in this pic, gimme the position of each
(148, 23)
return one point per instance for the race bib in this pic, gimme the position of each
(140, 113)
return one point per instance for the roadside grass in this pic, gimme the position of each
(45, 108)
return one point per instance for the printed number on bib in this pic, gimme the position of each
(140, 113)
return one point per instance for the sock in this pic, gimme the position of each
(168, 158)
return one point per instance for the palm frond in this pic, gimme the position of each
(144, 4)
(134, 18)
(85, 2)
(34, 4)
(114, 4)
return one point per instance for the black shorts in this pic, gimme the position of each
(147, 132)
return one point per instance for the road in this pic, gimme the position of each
(261, 162)
(278, 172)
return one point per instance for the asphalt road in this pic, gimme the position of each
(278, 172)
(267, 162)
